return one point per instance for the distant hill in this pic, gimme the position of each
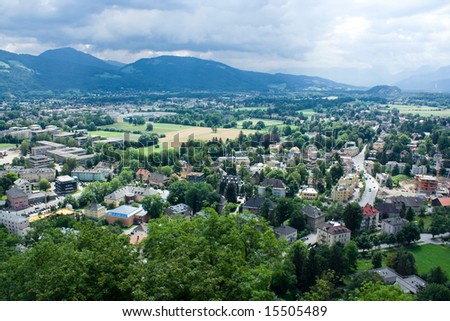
(384, 91)
(69, 69)
(436, 81)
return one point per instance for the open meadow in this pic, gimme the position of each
(422, 110)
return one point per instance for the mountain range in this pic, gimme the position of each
(65, 69)
(68, 69)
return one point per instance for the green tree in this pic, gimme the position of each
(324, 289)
(230, 193)
(410, 214)
(377, 259)
(377, 291)
(199, 195)
(436, 275)
(154, 205)
(25, 147)
(402, 262)
(298, 255)
(211, 258)
(44, 184)
(351, 254)
(409, 233)
(90, 265)
(149, 127)
(68, 166)
(434, 292)
(177, 192)
(352, 216)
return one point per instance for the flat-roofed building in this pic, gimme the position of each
(65, 185)
(15, 224)
(426, 183)
(124, 214)
(40, 161)
(100, 174)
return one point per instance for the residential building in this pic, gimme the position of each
(180, 209)
(125, 215)
(308, 194)
(382, 178)
(393, 225)
(388, 210)
(194, 177)
(277, 186)
(286, 232)
(314, 217)
(157, 179)
(97, 174)
(426, 183)
(342, 192)
(378, 145)
(34, 175)
(333, 233)
(406, 201)
(24, 185)
(419, 170)
(130, 194)
(142, 174)
(391, 164)
(15, 224)
(441, 201)
(95, 210)
(371, 217)
(65, 185)
(254, 204)
(40, 161)
(18, 199)
(349, 179)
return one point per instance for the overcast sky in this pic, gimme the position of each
(353, 41)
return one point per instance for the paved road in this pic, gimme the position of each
(372, 187)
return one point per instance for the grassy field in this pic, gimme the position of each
(422, 110)
(160, 128)
(430, 255)
(401, 178)
(184, 133)
(5, 145)
(307, 112)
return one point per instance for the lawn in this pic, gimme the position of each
(5, 145)
(401, 178)
(429, 255)
(307, 112)
(422, 110)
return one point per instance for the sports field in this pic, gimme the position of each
(160, 128)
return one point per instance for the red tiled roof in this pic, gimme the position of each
(445, 201)
(142, 171)
(369, 210)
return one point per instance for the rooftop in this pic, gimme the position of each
(65, 179)
(284, 230)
